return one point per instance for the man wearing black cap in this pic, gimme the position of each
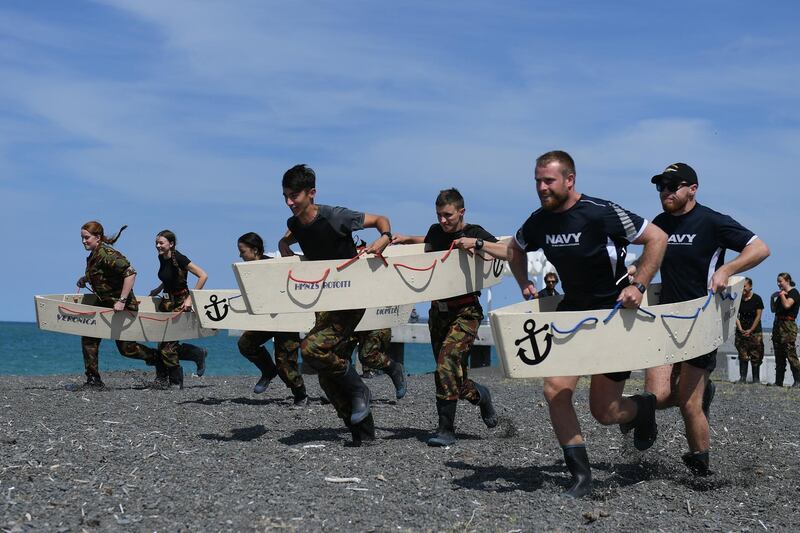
(694, 264)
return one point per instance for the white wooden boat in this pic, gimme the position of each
(225, 309)
(533, 340)
(77, 314)
(404, 274)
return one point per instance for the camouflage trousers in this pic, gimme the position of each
(251, 345)
(90, 346)
(373, 347)
(325, 350)
(452, 334)
(750, 348)
(784, 337)
(133, 350)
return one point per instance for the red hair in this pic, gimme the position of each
(96, 229)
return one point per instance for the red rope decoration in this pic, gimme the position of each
(449, 250)
(415, 268)
(351, 261)
(175, 315)
(74, 312)
(323, 278)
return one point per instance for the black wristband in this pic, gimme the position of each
(387, 233)
(478, 243)
(641, 287)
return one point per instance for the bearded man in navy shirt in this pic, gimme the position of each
(585, 238)
(693, 265)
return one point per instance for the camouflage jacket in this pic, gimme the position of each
(106, 270)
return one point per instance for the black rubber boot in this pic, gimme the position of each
(796, 377)
(268, 371)
(756, 369)
(697, 462)
(397, 373)
(446, 433)
(363, 431)
(176, 376)
(779, 373)
(162, 375)
(359, 393)
(742, 371)
(195, 354)
(577, 461)
(300, 396)
(487, 409)
(708, 397)
(645, 429)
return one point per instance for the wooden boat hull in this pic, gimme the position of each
(76, 314)
(533, 340)
(225, 309)
(406, 274)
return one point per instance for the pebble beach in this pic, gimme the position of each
(215, 457)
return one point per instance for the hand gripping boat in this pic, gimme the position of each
(225, 309)
(534, 340)
(76, 314)
(404, 274)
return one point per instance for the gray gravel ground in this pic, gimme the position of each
(215, 457)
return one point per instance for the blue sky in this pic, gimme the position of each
(184, 115)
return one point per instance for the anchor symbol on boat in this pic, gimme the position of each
(215, 303)
(538, 356)
(497, 267)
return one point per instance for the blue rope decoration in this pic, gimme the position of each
(723, 296)
(591, 319)
(234, 297)
(614, 310)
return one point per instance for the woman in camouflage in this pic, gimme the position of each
(173, 271)
(251, 343)
(111, 277)
(785, 304)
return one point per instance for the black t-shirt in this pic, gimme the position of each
(780, 311)
(329, 235)
(174, 279)
(747, 312)
(587, 244)
(439, 240)
(695, 250)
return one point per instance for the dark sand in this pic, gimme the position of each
(215, 457)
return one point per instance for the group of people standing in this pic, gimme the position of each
(686, 242)
(784, 304)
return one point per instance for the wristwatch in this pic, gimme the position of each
(641, 287)
(478, 243)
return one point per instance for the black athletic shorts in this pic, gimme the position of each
(706, 362)
(565, 305)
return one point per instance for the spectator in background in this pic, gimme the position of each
(550, 282)
(785, 304)
(749, 341)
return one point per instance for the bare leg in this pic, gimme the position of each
(607, 403)
(690, 397)
(558, 392)
(658, 380)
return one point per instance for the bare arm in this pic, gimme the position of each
(495, 249)
(785, 302)
(756, 322)
(518, 262)
(655, 245)
(284, 244)
(753, 254)
(408, 239)
(202, 277)
(382, 224)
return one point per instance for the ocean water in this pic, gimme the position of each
(26, 350)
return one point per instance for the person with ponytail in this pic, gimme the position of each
(173, 271)
(111, 278)
(251, 343)
(785, 303)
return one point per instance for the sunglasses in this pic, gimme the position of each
(670, 186)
